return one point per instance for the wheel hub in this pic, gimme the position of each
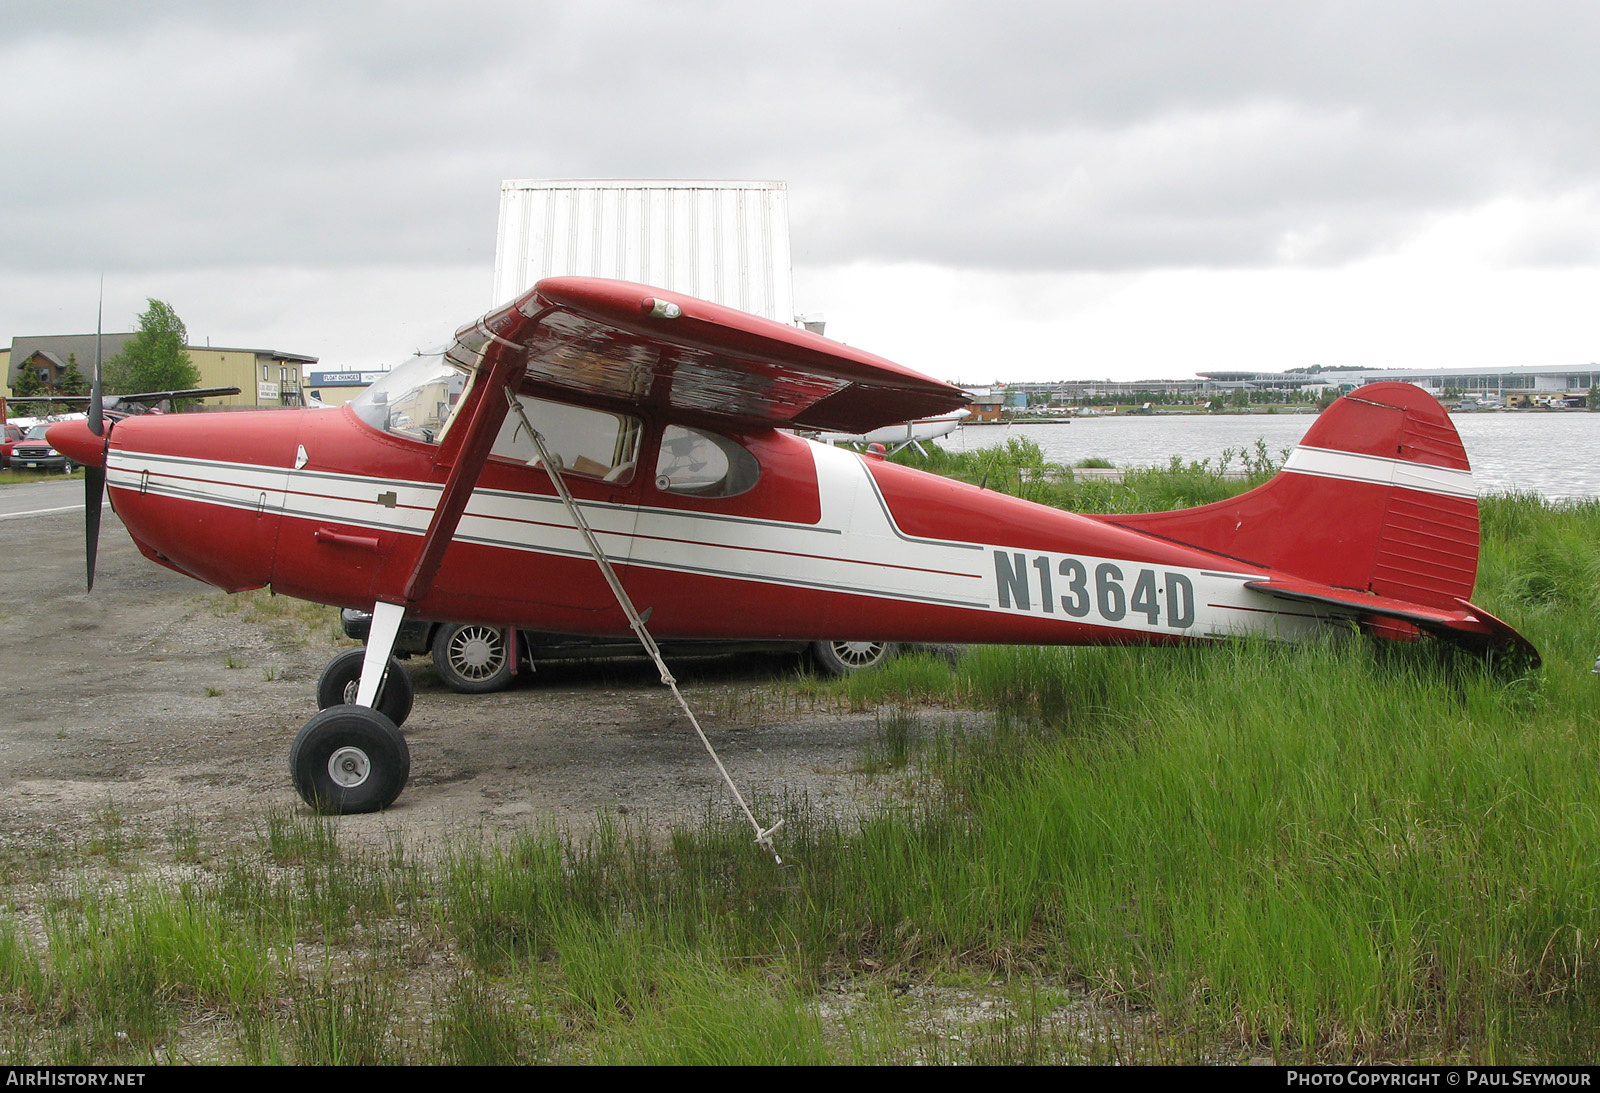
(349, 767)
(476, 652)
(858, 653)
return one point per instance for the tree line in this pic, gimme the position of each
(156, 358)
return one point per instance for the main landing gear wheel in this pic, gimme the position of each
(349, 759)
(472, 659)
(840, 658)
(342, 678)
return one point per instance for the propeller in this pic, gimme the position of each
(94, 477)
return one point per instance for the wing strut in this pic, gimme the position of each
(481, 429)
(763, 835)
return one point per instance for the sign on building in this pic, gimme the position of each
(344, 379)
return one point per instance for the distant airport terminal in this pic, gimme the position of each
(1506, 386)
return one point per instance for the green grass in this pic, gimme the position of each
(1331, 852)
(1379, 870)
(12, 476)
(291, 618)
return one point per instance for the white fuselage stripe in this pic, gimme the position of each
(1353, 467)
(854, 548)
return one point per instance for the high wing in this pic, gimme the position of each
(630, 345)
(142, 398)
(162, 396)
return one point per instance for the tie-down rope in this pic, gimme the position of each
(763, 835)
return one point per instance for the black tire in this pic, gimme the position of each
(342, 677)
(472, 659)
(841, 658)
(349, 759)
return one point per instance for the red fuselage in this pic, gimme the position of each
(827, 544)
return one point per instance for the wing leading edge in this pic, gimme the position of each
(631, 345)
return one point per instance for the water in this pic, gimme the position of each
(1554, 454)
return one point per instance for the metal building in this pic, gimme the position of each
(727, 242)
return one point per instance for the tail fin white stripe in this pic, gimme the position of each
(1327, 463)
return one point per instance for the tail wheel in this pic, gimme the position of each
(841, 658)
(341, 679)
(472, 659)
(349, 759)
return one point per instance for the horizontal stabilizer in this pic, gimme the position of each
(1465, 624)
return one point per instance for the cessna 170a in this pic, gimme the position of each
(598, 442)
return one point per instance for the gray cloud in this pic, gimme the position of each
(1048, 136)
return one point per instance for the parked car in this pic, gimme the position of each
(9, 435)
(475, 659)
(32, 451)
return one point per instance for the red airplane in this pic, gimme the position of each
(664, 419)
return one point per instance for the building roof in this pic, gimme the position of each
(58, 347)
(273, 354)
(1486, 370)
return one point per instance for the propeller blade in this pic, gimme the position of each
(94, 478)
(94, 492)
(97, 405)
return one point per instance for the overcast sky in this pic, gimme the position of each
(994, 191)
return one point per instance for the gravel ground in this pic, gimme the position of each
(155, 694)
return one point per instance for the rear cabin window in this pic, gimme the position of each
(590, 443)
(697, 464)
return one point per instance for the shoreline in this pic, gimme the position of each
(1304, 411)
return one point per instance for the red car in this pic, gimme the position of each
(9, 435)
(32, 450)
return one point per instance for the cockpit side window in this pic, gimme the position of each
(693, 463)
(591, 443)
(416, 399)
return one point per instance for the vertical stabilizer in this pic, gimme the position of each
(1378, 497)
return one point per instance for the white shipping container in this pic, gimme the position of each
(727, 242)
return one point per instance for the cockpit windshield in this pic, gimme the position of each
(415, 399)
